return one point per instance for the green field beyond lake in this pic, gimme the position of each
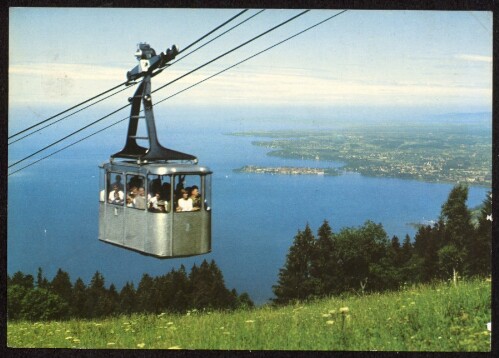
(439, 317)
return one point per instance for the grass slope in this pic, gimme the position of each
(440, 317)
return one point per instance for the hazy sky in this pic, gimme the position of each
(440, 59)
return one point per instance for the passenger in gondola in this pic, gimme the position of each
(152, 203)
(139, 202)
(135, 181)
(129, 201)
(162, 206)
(184, 203)
(118, 183)
(155, 186)
(196, 198)
(180, 186)
(165, 191)
(116, 196)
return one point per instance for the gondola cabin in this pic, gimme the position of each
(154, 200)
(139, 208)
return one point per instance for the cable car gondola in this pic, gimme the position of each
(142, 190)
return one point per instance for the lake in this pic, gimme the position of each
(53, 205)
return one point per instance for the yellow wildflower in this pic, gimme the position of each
(344, 310)
(141, 345)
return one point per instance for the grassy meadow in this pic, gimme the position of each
(439, 317)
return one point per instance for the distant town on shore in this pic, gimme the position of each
(451, 153)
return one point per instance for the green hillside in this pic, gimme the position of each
(439, 317)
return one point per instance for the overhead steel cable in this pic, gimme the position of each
(178, 78)
(121, 84)
(250, 57)
(67, 110)
(69, 135)
(232, 50)
(213, 39)
(212, 31)
(69, 145)
(193, 51)
(60, 119)
(183, 90)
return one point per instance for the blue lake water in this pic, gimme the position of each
(53, 205)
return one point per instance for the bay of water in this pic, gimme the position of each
(53, 205)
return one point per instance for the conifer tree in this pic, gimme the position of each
(127, 299)
(96, 292)
(79, 299)
(324, 267)
(221, 296)
(61, 285)
(295, 279)
(407, 264)
(111, 301)
(481, 249)
(41, 281)
(20, 279)
(406, 250)
(181, 289)
(145, 294)
(458, 228)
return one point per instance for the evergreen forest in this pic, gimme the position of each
(176, 291)
(364, 259)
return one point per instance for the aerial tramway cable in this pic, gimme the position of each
(167, 84)
(115, 87)
(69, 115)
(232, 50)
(132, 84)
(164, 99)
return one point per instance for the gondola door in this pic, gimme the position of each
(112, 206)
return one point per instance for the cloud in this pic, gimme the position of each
(474, 58)
(70, 84)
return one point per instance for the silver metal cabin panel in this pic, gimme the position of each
(102, 220)
(159, 239)
(112, 221)
(191, 233)
(135, 229)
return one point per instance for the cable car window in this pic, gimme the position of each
(115, 188)
(136, 192)
(187, 193)
(160, 192)
(207, 192)
(102, 185)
